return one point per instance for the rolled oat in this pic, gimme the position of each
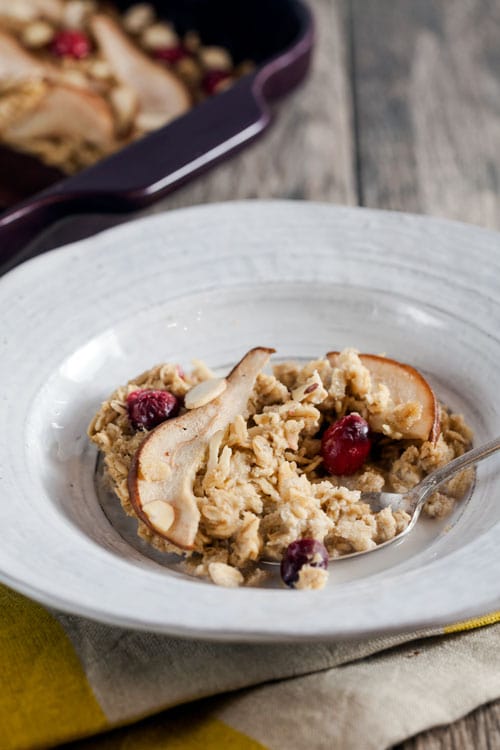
(262, 484)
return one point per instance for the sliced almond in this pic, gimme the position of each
(160, 514)
(225, 575)
(138, 17)
(204, 392)
(159, 36)
(215, 58)
(38, 34)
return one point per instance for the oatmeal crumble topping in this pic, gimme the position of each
(263, 484)
(311, 578)
(80, 79)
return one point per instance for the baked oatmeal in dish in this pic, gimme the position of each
(230, 472)
(80, 79)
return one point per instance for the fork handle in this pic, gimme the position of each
(436, 478)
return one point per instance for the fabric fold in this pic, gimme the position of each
(66, 678)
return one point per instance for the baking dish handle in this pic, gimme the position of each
(146, 170)
(159, 162)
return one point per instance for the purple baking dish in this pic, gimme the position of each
(276, 34)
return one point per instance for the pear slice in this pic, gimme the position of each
(163, 470)
(404, 384)
(161, 95)
(64, 112)
(16, 63)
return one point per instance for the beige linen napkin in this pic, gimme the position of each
(64, 677)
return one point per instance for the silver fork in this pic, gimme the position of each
(413, 501)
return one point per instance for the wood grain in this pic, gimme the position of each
(427, 90)
(478, 731)
(308, 153)
(402, 111)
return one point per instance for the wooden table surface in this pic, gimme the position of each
(401, 111)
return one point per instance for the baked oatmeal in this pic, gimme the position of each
(80, 79)
(230, 472)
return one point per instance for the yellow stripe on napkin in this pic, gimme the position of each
(475, 622)
(211, 734)
(189, 727)
(48, 699)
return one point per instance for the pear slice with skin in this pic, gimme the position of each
(161, 95)
(404, 384)
(16, 63)
(64, 112)
(164, 467)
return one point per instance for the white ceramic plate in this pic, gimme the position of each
(212, 282)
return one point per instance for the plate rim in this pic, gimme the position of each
(231, 634)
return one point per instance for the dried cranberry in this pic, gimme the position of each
(149, 408)
(170, 54)
(213, 79)
(346, 444)
(299, 553)
(71, 43)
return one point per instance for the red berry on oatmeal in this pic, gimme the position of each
(71, 43)
(346, 445)
(149, 408)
